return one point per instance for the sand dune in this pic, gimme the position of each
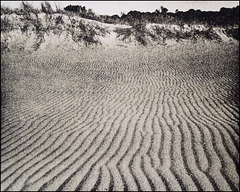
(163, 118)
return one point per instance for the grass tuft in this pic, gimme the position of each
(46, 8)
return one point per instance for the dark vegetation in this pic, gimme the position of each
(85, 32)
(137, 30)
(160, 34)
(226, 16)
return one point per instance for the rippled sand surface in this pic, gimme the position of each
(163, 118)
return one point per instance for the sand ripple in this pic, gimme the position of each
(123, 120)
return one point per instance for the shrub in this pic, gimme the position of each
(141, 39)
(208, 34)
(82, 32)
(74, 8)
(35, 23)
(125, 32)
(138, 31)
(164, 10)
(88, 37)
(139, 28)
(162, 33)
(102, 31)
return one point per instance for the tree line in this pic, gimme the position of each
(223, 17)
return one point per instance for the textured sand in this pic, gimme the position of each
(163, 118)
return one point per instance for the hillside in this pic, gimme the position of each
(35, 31)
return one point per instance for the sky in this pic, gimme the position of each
(116, 7)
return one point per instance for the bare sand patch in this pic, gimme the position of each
(121, 118)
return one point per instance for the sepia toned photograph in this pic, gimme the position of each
(120, 96)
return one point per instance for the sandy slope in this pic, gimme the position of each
(154, 118)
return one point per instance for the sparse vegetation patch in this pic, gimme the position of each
(71, 20)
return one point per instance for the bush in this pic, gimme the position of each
(82, 32)
(102, 31)
(74, 8)
(138, 31)
(125, 32)
(162, 33)
(208, 34)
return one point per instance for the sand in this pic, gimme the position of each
(121, 118)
